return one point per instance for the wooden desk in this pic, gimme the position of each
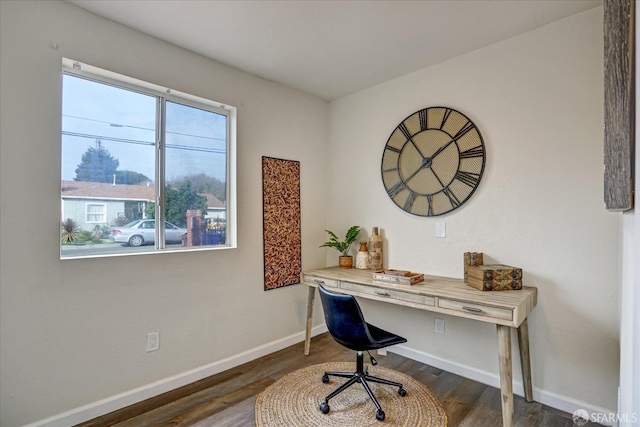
(505, 309)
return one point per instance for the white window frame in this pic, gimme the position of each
(102, 213)
(74, 67)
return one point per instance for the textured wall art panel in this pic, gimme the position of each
(281, 222)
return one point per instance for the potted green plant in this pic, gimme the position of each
(345, 260)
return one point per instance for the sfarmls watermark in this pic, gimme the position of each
(582, 417)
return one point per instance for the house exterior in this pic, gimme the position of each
(216, 209)
(93, 204)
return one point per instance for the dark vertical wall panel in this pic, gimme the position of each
(619, 101)
(282, 233)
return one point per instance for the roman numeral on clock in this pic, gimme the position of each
(409, 202)
(472, 152)
(462, 132)
(396, 188)
(469, 178)
(405, 131)
(447, 112)
(394, 149)
(422, 115)
(452, 198)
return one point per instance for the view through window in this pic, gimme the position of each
(131, 155)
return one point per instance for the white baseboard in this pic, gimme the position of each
(563, 403)
(101, 407)
(113, 403)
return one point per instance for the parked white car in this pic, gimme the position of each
(143, 231)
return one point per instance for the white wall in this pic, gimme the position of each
(537, 100)
(629, 405)
(73, 331)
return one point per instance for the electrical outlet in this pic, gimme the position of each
(153, 341)
(382, 351)
(439, 326)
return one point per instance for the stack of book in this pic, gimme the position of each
(399, 277)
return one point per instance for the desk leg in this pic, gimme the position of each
(525, 361)
(307, 337)
(506, 381)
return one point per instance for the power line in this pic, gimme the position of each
(108, 138)
(109, 123)
(143, 128)
(148, 143)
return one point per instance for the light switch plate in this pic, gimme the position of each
(441, 229)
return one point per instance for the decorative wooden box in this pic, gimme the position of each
(494, 277)
(400, 277)
(471, 258)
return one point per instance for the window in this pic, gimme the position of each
(95, 213)
(134, 152)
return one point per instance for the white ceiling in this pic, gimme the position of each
(333, 48)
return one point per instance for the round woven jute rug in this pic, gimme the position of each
(294, 401)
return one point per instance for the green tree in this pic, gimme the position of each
(131, 178)
(204, 184)
(97, 165)
(178, 202)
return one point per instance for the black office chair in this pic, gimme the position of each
(347, 326)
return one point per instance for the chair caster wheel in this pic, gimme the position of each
(324, 408)
(402, 392)
(325, 379)
(380, 415)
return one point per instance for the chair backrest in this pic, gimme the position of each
(344, 320)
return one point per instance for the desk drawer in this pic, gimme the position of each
(388, 293)
(327, 283)
(476, 309)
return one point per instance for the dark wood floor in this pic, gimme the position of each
(228, 398)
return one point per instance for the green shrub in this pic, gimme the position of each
(69, 230)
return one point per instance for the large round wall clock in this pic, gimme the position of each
(433, 161)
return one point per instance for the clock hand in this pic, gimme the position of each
(427, 161)
(437, 177)
(452, 197)
(417, 149)
(442, 148)
(412, 175)
(407, 134)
